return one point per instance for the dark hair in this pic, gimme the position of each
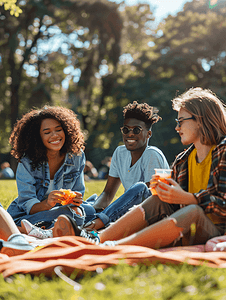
(25, 138)
(142, 112)
(208, 110)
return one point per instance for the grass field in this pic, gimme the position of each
(159, 281)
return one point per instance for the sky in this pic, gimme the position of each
(162, 7)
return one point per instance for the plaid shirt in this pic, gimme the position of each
(213, 199)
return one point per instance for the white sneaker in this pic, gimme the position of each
(109, 243)
(91, 236)
(35, 231)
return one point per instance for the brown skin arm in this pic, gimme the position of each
(53, 198)
(108, 193)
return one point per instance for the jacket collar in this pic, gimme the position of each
(184, 155)
(69, 158)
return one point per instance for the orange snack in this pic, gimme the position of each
(68, 196)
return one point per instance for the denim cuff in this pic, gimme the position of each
(29, 204)
(104, 218)
(78, 219)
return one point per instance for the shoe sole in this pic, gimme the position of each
(63, 227)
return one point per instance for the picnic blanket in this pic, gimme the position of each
(76, 253)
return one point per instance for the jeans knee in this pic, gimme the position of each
(139, 186)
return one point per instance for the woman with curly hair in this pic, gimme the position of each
(48, 144)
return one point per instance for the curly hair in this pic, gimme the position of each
(25, 138)
(142, 112)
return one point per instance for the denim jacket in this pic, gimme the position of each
(32, 184)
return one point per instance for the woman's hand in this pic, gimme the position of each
(77, 200)
(172, 193)
(154, 181)
(54, 197)
(59, 197)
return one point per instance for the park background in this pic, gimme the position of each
(97, 56)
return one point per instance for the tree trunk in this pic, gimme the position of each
(14, 103)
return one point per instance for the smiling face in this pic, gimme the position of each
(189, 129)
(136, 142)
(52, 134)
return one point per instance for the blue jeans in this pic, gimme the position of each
(135, 195)
(51, 215)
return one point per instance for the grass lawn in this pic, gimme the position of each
(159, 281)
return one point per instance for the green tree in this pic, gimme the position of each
(46, 38)
(104, 115)
(185, 50)
(192, 47)
(190, 52)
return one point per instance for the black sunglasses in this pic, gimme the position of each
(180, 121)
(135, 130)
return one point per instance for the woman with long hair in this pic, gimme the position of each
(48, 144)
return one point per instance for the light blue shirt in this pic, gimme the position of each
(32, 184)
(142, 170)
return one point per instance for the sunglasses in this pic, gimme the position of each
(180, 121)
(135, 130)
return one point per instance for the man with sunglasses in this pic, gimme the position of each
(132, 165)
(193, 203)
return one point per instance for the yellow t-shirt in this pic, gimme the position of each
(198, 176)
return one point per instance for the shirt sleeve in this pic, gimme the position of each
(154, 159)
(26, 185)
